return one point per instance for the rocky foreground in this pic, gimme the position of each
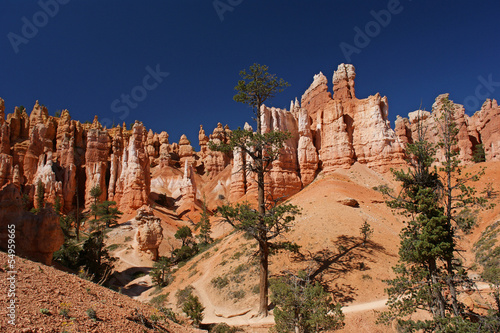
(43, 292)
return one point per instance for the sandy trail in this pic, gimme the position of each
(381, 303)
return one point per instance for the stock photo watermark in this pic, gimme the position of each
(483, 90)
(138, 93)
(222, 6)
(30, 28)
(372, 29)
(11, 275)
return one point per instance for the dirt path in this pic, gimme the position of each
(365, 306)
(381, 303)
(217, 314)
(125, 258)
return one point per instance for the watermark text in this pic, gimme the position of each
(11, 275)
(137, 94)
(372, 29)
(29, 28)
(223, 6)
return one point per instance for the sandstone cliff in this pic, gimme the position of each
(330, 128)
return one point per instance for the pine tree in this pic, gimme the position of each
(94, 256)
(185, 234)
(479, 154)
(57, 206)
(458, 197)
(193, 309)
(108, 215)
(428, 272)
(268, 221)
(161, 274)
(40, 195)
(204, 226)
(303, 306)
(95, 193)
(366, 231)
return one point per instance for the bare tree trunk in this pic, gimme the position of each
(263, 244)
(264, 275)
(453, 292)
(436, 291)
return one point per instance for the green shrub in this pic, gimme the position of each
(193, 309)
(64, 312)
(237, 278)
(91, 314)
(169, 314)
(68, 254)
(240, 268)
(237, 255)
(304, 306)
(237, 294)
(478, 154)
(154, 318)
(185, 253)
(224, 328)
(183, 294)
(158, 301)
(220, 282)
(113, 247)
(45, 312)
(256, 289)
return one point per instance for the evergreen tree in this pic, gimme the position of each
(188, 248)
(185, 234)
(479, 154)
(366, 231)
(428, 272)
(458, 197)
(488, 256)
(303, 306)
(204, 226)
(255, 87)
(108, 215)
(66, 222)
(95, 193)
(40, 195)
(57, 206)
(193, 309)
(161, 274)
(95, 257)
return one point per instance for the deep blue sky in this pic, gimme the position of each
(91, 52)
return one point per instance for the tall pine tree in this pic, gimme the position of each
(269, 221)
(429, 274)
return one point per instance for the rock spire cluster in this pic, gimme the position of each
(330, 128)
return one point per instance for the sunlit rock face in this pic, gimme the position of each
(38, 236)
(481, 128)
(347, 129)
(96, 163)
(134, 180)
(330, 128)
(307, 154)
(149, 232)
(484, 126)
